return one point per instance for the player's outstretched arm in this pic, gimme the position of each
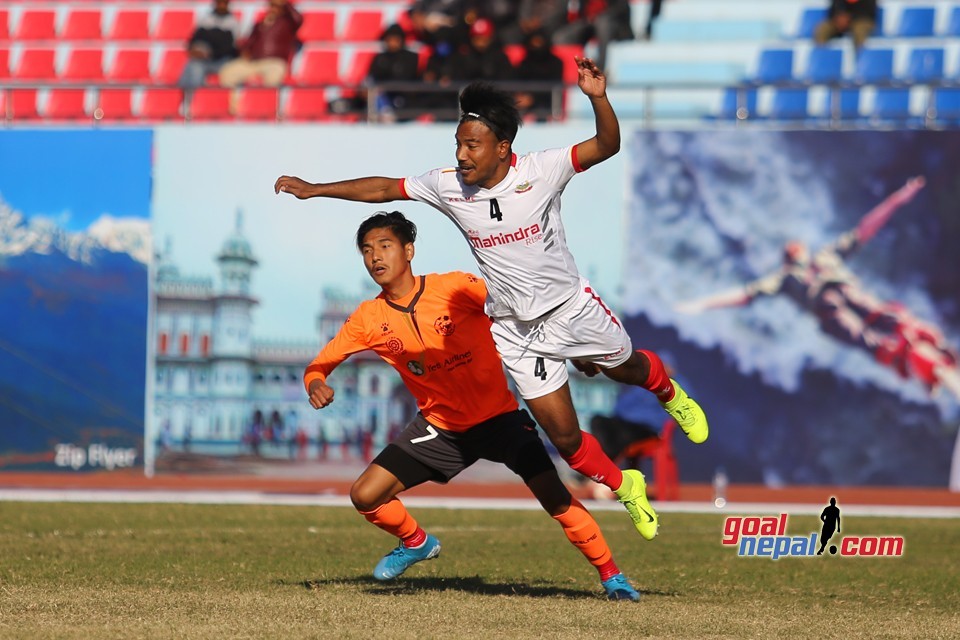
(737, 297)
(880, 214)
(372, 189)
(604, 145)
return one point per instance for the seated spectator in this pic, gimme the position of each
(603, 20)
(212, 45)
(856, 17)
(505, 16)
(442, 71)
(433, 18)
(542, 15)
(266, 54)
(483, 58)
(395, 63)
(539, 65)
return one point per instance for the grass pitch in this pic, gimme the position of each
(97, 571)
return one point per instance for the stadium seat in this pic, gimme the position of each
(953, 25)
(842, 104)
(22, 105)
(775, 66)
(515, 52)
(666, 473)
(82, 24)
(363, 26)
(36, 64)
(874, 66)
(809, 19)
(318, 67)
(566, 53)
(175, 25)
(4, 24)
(161, 104)
(65, 104)
(359, 67)
(210, 103)
(84, 65)
(4, 63)
(130, 24)
(172, 63)
(738, 104)
(892, 104)
(305, 105)
(114, 104)
(925, 65)
(318, 26)
(258, 103)
(789, 104)
(946, 105)
(824, 66)
(130, 66)
(36, 24)
(916, 22)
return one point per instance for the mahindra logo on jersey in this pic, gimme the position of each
(529, 234)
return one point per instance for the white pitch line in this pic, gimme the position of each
(508, 504)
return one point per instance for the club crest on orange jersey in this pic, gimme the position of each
(395, 345)
(444, 325)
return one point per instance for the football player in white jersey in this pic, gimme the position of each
(544, 311)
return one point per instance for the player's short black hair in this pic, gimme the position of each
(491, 106)
(404, 229)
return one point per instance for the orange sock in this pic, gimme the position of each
(394, 518)
(584, 533)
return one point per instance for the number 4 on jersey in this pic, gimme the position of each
(495, 211)
(540, 369)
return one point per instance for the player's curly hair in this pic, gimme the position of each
(491, 106)
(404, 229)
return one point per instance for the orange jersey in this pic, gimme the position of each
(438, 338)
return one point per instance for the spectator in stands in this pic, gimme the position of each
(856, 17)
(442, 71)
(540, 65)
(483, 58)
(267, 52)
(395, 63)
(505, 16)
(542, 15)
(602, 20)
(213, 44)
(435, 18)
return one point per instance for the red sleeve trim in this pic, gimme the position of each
(575, 160)
(403, 189)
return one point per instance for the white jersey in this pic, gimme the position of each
(513, 229)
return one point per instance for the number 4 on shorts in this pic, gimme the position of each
(540, 369)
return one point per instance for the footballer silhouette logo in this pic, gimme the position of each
(444, 326)
(395, 345)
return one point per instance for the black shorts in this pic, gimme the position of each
(425, 452)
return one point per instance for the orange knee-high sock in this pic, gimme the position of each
(394, 518)
(658, 382)
(591, 461)
(584, 532)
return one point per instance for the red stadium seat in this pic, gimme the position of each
(66, 104)
(82, 24)
(318, 26)
(131, 66)
(516, 53)
(171, 66)
(566, 53)
(305, 105)
(161, 104)
(4, 63)
(36, 24)
(84, 65)
(258, 104)
(359, 67)
(175, 25)
(23, 105)
(210, 104)
(130, 24)
(363, 26)
(318, 67)
(36, 64)
(666, 473)
(4, 24)
(114, 104)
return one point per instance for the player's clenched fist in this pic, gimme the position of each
(292, 185)
(320, 394)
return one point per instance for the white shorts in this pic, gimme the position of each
(535, 353)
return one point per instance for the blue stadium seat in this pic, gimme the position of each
(824, 66)
(776, 65)
(730, 104)
(874, 65)
(878, 29)
(892, 104)
(809, 19)
(916, 22)
(946, 104)
(953, 26)
(789, 104)
(925, 65)
(843, 104)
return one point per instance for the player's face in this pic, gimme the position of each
(386, 257)
(480, 156)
